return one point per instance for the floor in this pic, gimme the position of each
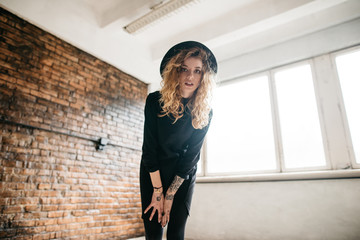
(141, 238)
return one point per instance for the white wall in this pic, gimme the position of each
(280, 210)
(311, 45)
(285, 210)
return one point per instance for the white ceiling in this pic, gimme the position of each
(230, 28)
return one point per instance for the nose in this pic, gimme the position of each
(190, 75)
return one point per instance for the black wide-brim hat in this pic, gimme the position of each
(187, 45)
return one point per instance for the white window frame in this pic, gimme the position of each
(348, 140)
(329, 102)
(278, 128)
(205, 173)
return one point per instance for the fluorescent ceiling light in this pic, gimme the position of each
(159, 11)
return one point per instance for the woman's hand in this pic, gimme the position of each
(167, 209)
(176, 183)
(157, 203)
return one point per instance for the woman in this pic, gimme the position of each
(176, 121)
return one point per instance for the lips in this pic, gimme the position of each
(189, 84)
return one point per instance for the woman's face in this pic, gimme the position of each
(190, 76)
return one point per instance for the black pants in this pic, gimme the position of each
(175, 228)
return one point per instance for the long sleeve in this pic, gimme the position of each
(150, 142)
(192, 151)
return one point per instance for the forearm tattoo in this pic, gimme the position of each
(169, 197)
(176, 184)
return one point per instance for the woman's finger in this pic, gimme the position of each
(160, 215)
(163, 221)
(148, 208)
(152, 214)
(167, 218)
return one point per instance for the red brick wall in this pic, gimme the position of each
(56, 101)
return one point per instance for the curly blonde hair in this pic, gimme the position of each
(199, 102)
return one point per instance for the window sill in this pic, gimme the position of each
(290, 176)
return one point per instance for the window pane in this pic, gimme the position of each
(348, 66)
(241, 134)
(299, 119)
(199, 165)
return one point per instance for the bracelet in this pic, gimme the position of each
(158, 190)
(157, 187)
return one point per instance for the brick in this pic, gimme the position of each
(28, 223)
(12, 209)
(56, 214)
(47, 61)
(50, 193)
(32, 208)
(66, 220)
(49, 92)
(45, 222)
(41, 236)
(40, 94)
(58, 186)
(48, 208)
(44, 186)
(67, 207)
(28, 85)
(112, 229)
(60, 101)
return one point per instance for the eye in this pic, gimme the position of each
(182, 69)
(197, 71)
